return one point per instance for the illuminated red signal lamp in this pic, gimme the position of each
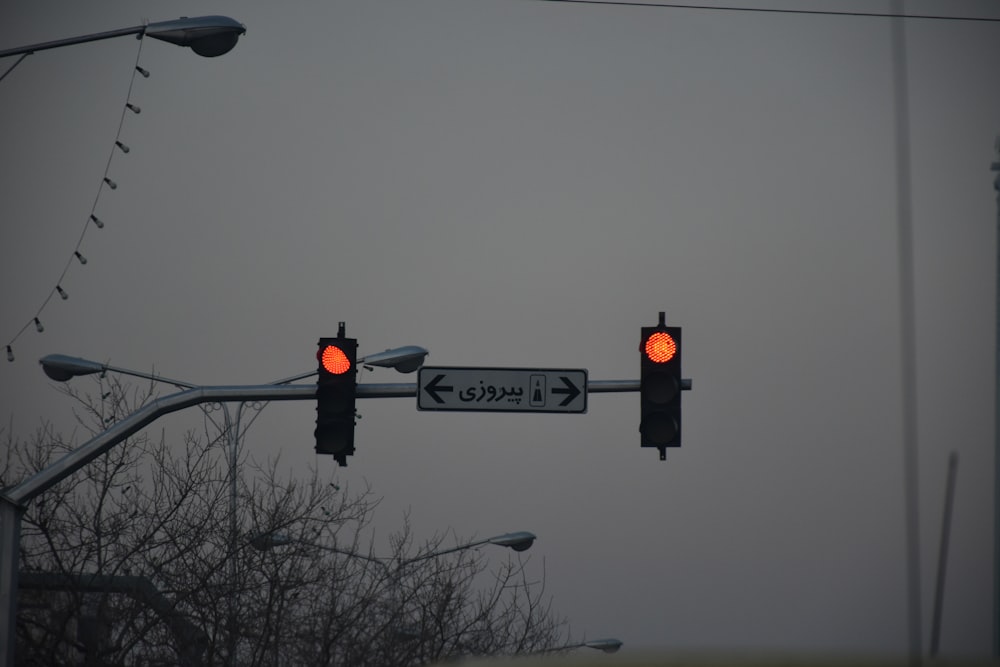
(334, 360)
(660, 347)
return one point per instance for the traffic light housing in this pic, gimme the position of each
(335, 395)
(660, 386)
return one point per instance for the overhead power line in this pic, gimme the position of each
(885, 15)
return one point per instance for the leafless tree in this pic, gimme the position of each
(133, 561)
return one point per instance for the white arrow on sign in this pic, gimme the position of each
(502, 389)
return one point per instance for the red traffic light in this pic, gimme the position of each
(660, 386)
(334, 360)
(336, 387)
(660, 347)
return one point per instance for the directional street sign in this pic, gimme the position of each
(502, 389)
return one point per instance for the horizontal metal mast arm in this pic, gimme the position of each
(81, 456)
(403, 389)
(598, 386)
(593, 387)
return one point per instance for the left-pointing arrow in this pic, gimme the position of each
(571, 391)
(433, 388)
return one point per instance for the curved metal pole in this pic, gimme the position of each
(81, 456)
(14, 499)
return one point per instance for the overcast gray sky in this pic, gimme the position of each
(519, 183)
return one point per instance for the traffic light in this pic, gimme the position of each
(335, 395)
(660, 387)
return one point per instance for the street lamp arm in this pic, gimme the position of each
(354, 554)
(435, 554)
(150, 376)
(207, 36)
(69, 41)
(62, 368)
(609, 645)
(518, 541)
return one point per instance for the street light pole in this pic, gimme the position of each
(995, 166)
(14, 500)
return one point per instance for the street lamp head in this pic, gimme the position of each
(62, 368)
(606, 645)
(266, 541)
(519, 541)
(208, 36)
(404, 359)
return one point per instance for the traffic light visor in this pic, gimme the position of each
(660, 347)
(334, 360)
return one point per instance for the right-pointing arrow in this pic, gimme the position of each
(571, 391)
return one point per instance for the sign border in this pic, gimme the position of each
(516, 369)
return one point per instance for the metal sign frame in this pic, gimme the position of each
(496, 389)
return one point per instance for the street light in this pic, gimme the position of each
(207, 36)
(609, 645)
(518, 541)
(404, 359)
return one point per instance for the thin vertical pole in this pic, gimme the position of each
(10, 542)
(907, 330)
(996, 431)
(231, 440)
(949, 497)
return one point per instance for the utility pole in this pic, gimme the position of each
(996, 430)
